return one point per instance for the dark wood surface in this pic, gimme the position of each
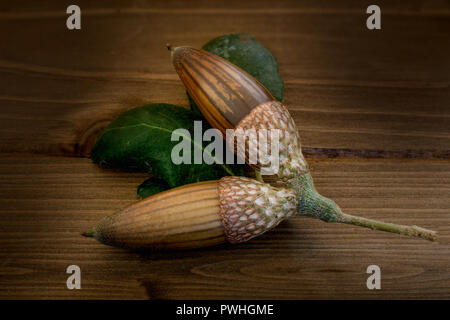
(355, 95)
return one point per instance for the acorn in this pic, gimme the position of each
(224, 93)
(232, 209)
(230, 98)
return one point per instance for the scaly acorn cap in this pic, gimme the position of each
(233, 209)
(249, 208)
(230, 98)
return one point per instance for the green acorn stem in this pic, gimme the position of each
(412, 231)
(313, 204)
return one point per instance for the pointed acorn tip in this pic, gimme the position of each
(178, 54)
(88, 234)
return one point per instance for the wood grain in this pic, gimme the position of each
(354, 94)
(45, 202)
(347, 87)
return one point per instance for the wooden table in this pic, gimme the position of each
(373, 109)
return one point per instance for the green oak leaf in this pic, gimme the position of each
(140, 139)
(248, 54)
(151, 186)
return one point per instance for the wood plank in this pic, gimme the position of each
(352, 92)
(45, 202)
(328, 116)
(347, 87)
(308, 45)
(211, 7)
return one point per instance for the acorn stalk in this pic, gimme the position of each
(230, 98)
(311, 203)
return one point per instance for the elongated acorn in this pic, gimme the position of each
(224, 93)
(230, 98)
(232, 209)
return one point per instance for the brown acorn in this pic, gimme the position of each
(230, 98)
(232, 209)
(224, 93)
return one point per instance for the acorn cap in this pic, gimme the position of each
(269, 116)
(249, 208)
